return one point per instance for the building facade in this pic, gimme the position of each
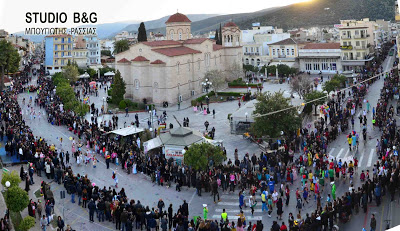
(93, 50)
(58, 51)
(357, 41)
(322, 58)
(284, 52)
(256, 42)
(172, 70)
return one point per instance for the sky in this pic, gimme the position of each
(13, 12)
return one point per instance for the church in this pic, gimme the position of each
(173, 70)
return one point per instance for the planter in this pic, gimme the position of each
(242, 86)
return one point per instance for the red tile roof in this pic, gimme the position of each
(322, 46)
(161, 43)
(157, 62)
(230, 24)
(176, 51)
(217, 47)
(195, 41)
(178, 17)
(288, 41)
(124, 60)
(139, 59)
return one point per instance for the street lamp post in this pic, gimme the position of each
(246, 114)
(104, 109)
(247, 86)
(207, 84)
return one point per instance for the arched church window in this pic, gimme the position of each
(137, 84)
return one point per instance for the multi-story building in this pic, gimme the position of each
(93, 47)
(357, 43)
(322, 58)
(284, 52)
(125, 35)
(256, 43)
(107, 45)
(80, 52)
(3, 34)
(58, 51)
(397, 18)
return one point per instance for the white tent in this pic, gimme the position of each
(110, 73)
(151, 144)
(84, 76)
(127, 131)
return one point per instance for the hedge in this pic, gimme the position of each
(242, 84)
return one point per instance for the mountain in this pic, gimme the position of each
(324, 12)
(306, 14)
(160, 23)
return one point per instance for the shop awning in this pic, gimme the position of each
(110, 73)
(127, 131)
(152, 144)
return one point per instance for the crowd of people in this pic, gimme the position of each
(268, 175)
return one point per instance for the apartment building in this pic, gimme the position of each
(93, 47)
(256, 42)
(324, 58)
(357, 42)
(58, 51)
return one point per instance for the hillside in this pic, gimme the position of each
(315, 12)
(153, 25)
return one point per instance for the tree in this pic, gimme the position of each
(319, 98)
(331, 85)
(271, 69)
(27, 223)
(106, 52)
(220, 35)
(12, 177)
(119, 88)
(300, 84)
(142, 36)
(71, 73)
(284, 69)
(272, 124)
(16, 198)
(121, 46)
(216, 78)
(199, 156)
(235, 71)
(216, 38)
(91, 72)
(9, 60)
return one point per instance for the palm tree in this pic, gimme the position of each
(120, 46)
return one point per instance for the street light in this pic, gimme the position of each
(246, 114)
(247, 86)
(207, 84)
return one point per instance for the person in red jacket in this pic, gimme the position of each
(283, 227)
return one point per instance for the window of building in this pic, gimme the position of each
(252, 62)
(292, 52)
(288, 51)
(247, 62)
(257, 49)
(273, 52)
(247, 50)
(258, 62)
(198, 64)
(137, 84)
(251, 50)
(180, 35)
(357, 43)
(277, 51)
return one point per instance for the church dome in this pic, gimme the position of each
(178, 17)
(230, 24)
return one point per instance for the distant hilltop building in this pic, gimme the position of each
(173, 69)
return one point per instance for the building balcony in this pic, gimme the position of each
(360, 47)
(281, 56)
(345, 37)
(361, 36)
(346, 47)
